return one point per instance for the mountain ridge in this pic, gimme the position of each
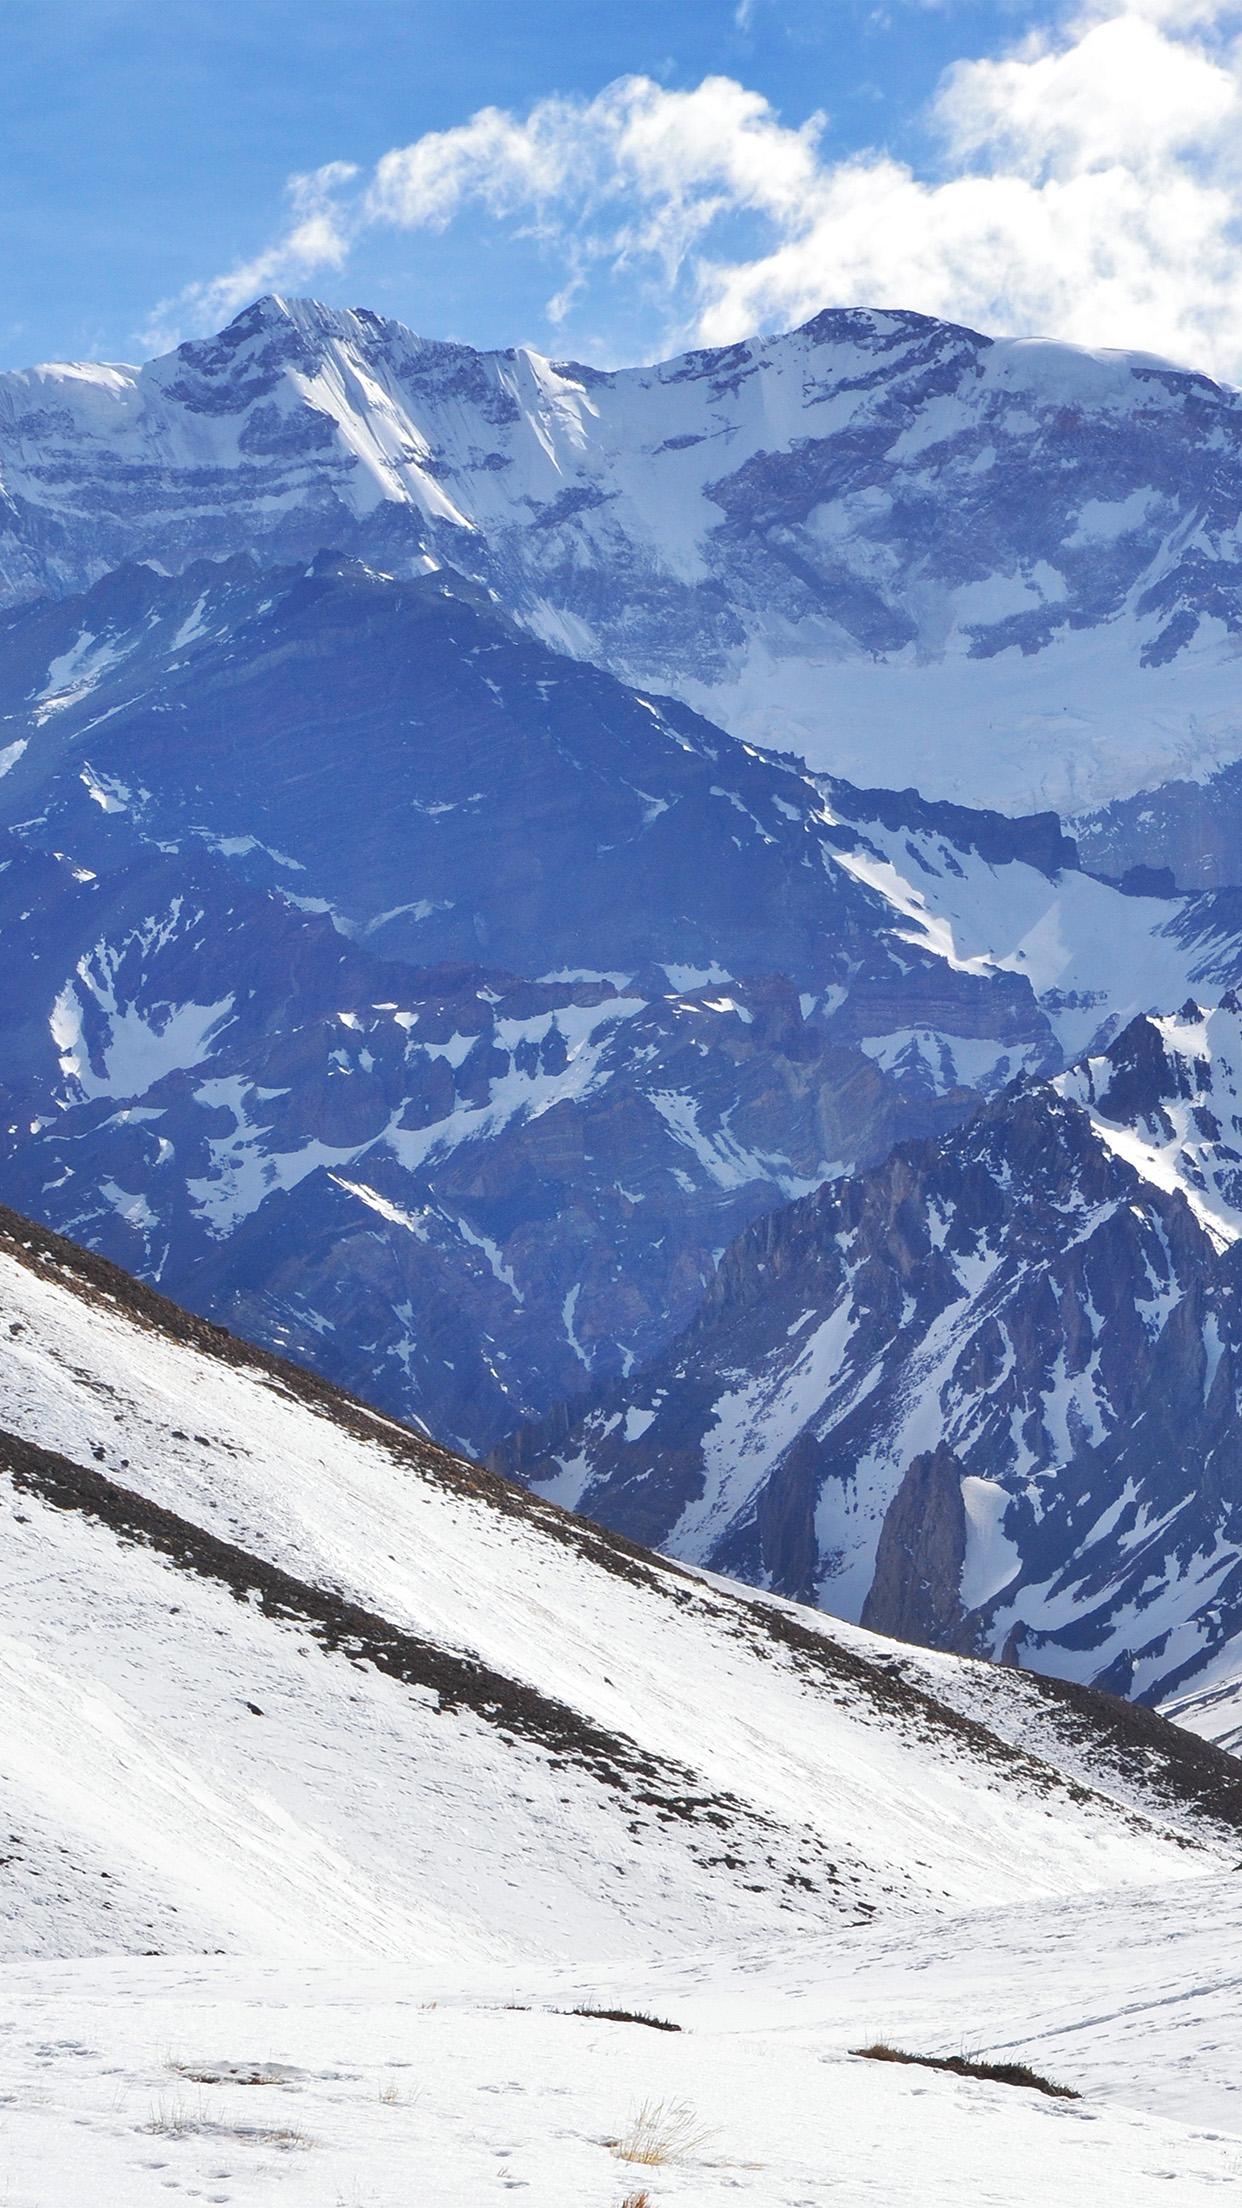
(860, 535)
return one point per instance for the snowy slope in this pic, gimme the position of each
(1004, 572)
(1092, 956)
(1213, 1712)
(1127, 1997)
(279, 1677)
(335, 1774)
(1168, 1100)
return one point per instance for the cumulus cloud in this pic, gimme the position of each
(1088, 184)
(1091, 188)
(1123, 94)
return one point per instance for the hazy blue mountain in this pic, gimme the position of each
(415, 997)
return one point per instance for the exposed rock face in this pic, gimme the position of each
(880, 538)
(916, 1592)
(999, 1375)
(1191, 830)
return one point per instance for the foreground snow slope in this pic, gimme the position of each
(279, 1676)
(1128, 1998)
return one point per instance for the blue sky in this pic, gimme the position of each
(147, 149)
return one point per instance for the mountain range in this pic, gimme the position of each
(406, 972)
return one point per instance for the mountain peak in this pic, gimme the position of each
(965, 533)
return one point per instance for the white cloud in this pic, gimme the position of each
(652, 169)
(1092, 189)
(1123, 92)
(1089, 186)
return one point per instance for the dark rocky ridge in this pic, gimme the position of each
(271, 1037)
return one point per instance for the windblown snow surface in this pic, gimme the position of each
(333, 1771)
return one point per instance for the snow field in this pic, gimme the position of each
(393, 2094)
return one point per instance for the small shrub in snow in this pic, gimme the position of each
(172, 2117)
(393, 2094)
(961, 2066)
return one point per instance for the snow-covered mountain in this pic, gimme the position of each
(1005, 572)
(436, 1008)
(401, 969)
(986, 1396)
(440, 1008)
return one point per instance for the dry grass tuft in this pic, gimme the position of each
(176, 2118)
(661, 2132)
(172, 2117)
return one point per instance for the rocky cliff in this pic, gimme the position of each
(986, 1395)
